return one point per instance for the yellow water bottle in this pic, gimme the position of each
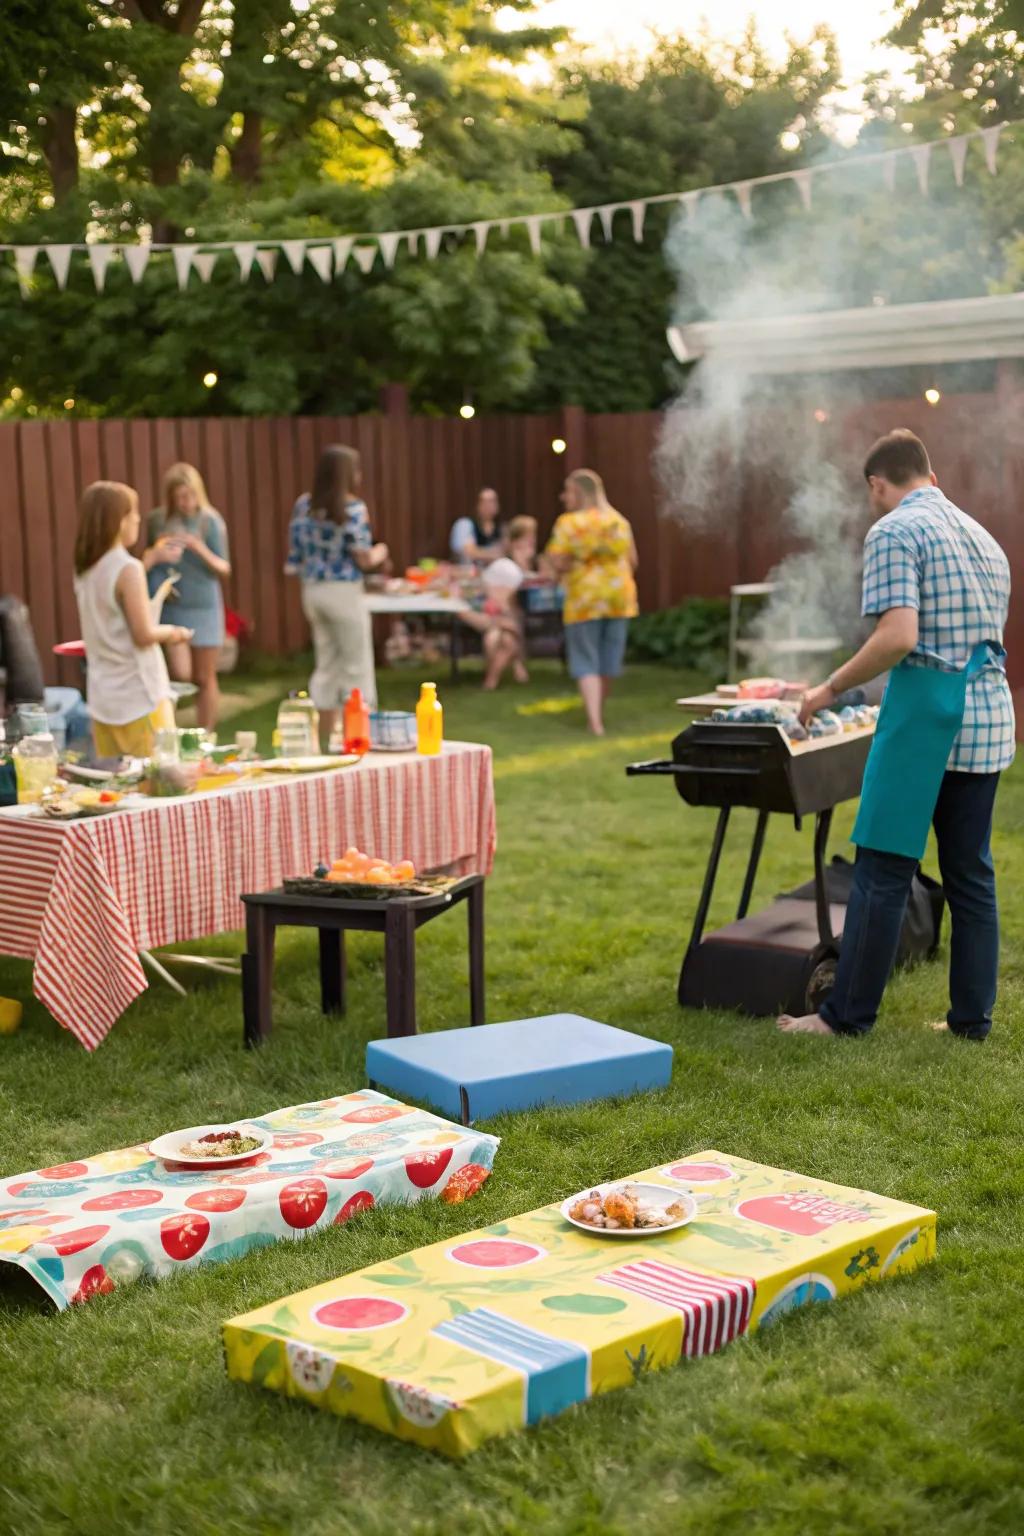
(429, 721)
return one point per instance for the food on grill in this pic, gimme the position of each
(356, 868)
(777, 712)
(770, 688)
(220, 1144)
(624, 1208)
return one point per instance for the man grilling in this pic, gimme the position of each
(938, 586)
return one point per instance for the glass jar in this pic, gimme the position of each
(298, 723)
(36, 761)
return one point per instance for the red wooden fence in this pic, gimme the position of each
(420, 473)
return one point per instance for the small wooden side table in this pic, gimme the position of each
(396, 917)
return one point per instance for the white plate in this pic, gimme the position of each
(656, 1194)
(307, 764)
(168, 1148)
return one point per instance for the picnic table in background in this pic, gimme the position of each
(84, 898)
(80, 1228)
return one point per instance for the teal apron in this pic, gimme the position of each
(921, 717)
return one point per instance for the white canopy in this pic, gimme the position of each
(882, 336)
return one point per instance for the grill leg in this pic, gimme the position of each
(755, 859)
(822, 827)
(709, 878)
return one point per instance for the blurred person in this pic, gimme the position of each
(330, 548)
(127, 685)
(188, 538)
(593, 554)
(500, 620)
(477, 540)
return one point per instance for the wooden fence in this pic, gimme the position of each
(421, 472)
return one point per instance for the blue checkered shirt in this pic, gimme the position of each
(928, 555)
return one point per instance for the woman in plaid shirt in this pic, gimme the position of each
(938, 586)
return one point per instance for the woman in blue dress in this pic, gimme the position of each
(188, 538)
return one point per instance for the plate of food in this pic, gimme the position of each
(629, 1209)
(67, 804)
(211, 1146)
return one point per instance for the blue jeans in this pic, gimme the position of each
(874, 917)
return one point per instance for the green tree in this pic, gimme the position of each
(980, 70)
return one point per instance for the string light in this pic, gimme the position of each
(821, 415)
(210, 379)
(69, 405)
(932, 396)
(467, 411)
(558, 445)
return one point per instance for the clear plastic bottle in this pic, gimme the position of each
(429, 721)
(36, 761)
(298, 722)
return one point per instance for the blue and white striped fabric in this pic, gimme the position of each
(557, 1373)
(928, 555)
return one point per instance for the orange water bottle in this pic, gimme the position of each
(356, 723)
(429, 721)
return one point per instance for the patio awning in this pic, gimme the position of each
(881, 336)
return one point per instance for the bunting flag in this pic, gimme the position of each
(958, 155)
(320, 259)
(921, 155)
(267, 263)
(25, 265)
(245, 254)
(60, 261)
(332, 257)
(389, 246)
(99, 259)
(137, 260)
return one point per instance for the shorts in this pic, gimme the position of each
(596, 647)
(136, 738)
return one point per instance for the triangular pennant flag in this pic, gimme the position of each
(432, 242)
(690, 201)
(245, 255)
(921, 154)
(583, 218)
(889, 170)
(990, 139)
(742, 191)
(267, 262)
(365, 256)
(25, 262)
(533, 224)
(480, 230)
(137, 259)
(958, 155)
(60, 261)
(342, 251)
(412, 242)
(638, 213)
(503, 228)
(99, 259)
(320, 258)
(388, 247)
(803, 186)
(183, 255)
(606, 215)
(204, 264)
(295, 250)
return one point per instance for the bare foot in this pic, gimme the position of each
(520, 674)
(809, 1024)
(939, 1025)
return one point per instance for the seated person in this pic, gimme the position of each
(499, 620)
(477, 540)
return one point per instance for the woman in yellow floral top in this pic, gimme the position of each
(592, 551)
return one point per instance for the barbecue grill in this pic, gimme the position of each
(782, 958)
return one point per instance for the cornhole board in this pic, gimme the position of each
(477, 1336)
(560, 1058)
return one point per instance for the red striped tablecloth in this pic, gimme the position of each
(83, 898)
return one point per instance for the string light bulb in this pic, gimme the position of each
(69, 405)
(558, 445)
(932, 396)
(209, 379)
(467, 411)
(820, 415)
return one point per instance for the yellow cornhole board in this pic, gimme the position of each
(480, 1335)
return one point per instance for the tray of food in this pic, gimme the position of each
(629, 1209)
(66, 803)
(357, 874)
(212, 1146)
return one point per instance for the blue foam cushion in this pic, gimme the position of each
(559, 1059)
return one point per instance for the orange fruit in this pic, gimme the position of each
(406, 870)
(377, 877)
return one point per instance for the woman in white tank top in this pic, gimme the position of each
(128, 690)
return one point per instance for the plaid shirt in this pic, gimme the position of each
(928, 555)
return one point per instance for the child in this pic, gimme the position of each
(501, 623)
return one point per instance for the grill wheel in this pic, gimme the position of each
(822, 980)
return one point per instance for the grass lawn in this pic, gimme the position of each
(898, 1409)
